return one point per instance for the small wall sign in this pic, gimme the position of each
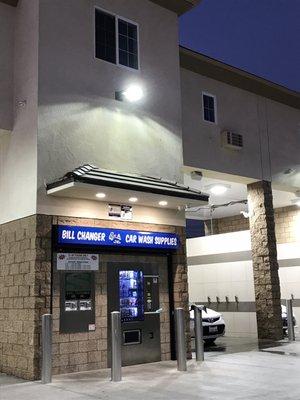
(77, 262)
(119, 211)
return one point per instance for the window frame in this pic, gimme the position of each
(215, 107)
(117, 18)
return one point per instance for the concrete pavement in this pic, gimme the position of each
(268, 373)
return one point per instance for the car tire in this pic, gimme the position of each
(209, 341)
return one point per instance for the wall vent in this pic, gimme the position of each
(232, 140)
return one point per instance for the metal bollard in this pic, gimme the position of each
(116, 361)
(198, 333)
(180, 339)
(47, 348)
(289, 311)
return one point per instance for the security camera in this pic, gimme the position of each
(245, 214)
(196, 175)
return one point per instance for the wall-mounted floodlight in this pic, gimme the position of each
(132, 94)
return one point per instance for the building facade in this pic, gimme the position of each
(104, 121)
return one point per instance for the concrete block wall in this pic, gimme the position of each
(87, 351)
(264, 261)
(287, 224)
(24, 294)
(82, 351)
(25, 288)
(76, 352)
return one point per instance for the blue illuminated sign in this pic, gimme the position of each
(116, 237)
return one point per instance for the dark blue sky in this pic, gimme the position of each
(259, 36)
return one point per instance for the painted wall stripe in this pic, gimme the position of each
(235, 257)
(242, 306)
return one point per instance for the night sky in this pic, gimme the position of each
(259, 36)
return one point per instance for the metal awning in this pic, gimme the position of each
(86, 181)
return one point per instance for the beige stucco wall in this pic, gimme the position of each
(79, 119)
(99, 209)
(271, 132)
(18, 150)
(6, 66)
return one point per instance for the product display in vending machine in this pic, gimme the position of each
(131, 295)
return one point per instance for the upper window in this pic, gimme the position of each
(209, 107)
(116, 40)
(105, 36)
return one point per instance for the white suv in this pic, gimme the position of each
(213, 325)
(284, 320)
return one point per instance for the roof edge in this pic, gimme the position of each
(87, 174)
(212, 68)
(12, 3)
(178, 6)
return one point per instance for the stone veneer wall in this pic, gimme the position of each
(265, 264)
(25, 265)
(287, 224)
(25, 286)
(87, 351)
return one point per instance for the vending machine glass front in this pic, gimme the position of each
(131, 295)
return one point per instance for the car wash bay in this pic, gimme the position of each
(220, 274)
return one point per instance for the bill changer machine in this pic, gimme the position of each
(134, 291)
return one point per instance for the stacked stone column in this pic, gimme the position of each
(265, 264)
(180, 281)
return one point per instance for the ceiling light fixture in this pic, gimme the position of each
(218, 189)
(163, 203)
(133, 199)
(100, 195)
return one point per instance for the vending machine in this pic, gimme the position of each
(134, 291)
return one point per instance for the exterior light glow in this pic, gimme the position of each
(218, 190)
(133, 199)
(163, 203)
(296, 201)
(133, 93)
(100, 195)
